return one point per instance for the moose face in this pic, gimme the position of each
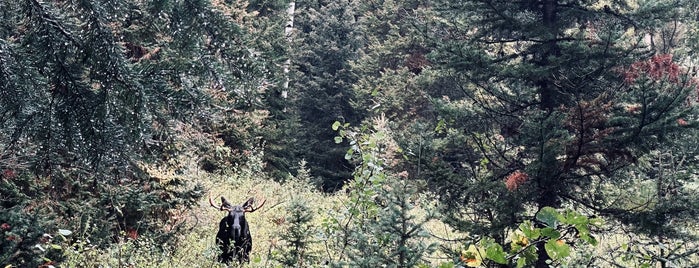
(236, 221)
(233, 237)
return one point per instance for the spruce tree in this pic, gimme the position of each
(396, 238)
(378, 224)
(93, 93)
(661, 212)
(298, 238)
(273, 37)
(394, 75)
(543, 108)
(321, 85)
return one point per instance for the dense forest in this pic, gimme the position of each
(380, 133)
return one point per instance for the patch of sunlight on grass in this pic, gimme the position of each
(198, 248)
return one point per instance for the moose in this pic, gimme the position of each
(233, 237)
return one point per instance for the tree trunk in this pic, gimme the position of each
(550, 98)
(548, 93)
(288, 30)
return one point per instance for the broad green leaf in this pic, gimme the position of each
(557, 249)
(495, 253)
(529, 230)
(336, 125)
(582, 229)
(551, 233)
(530, 255)
(575, 218)
(549, 216)
(521, 262)
(519, 240)
(338, 139)
(447, 265)
(473, 256)
(589, 239)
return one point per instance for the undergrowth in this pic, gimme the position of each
(195, 245)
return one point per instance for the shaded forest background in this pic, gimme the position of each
(537, 133)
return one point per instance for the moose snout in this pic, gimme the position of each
(236, 231)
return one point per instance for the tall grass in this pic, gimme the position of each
(195, 247)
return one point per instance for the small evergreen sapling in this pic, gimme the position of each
(397, 237)
(298, 236)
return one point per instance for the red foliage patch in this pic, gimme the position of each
(8, 174)
(656, 68)
(132, 233)
(660, 67)
(514, 180)
(5, 226)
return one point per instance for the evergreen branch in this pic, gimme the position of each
(524, 39)
(616, 14)
(447, 239)
(507, 113)
(53, 22)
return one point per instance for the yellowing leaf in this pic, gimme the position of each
(519, 240)
(473, 256)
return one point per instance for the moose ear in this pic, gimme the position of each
(249, 202)
(225, 203)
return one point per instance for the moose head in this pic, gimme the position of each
(233, 237)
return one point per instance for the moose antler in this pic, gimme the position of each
(221, 207)
(250, 209)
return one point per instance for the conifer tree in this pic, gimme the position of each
(394, 75)
(274, 37)
(378, 224)
(325, 42)
(92, 93)
(660, 213)
(397, 237)
(544, 106)
(298, 237)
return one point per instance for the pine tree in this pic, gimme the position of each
(298, 237)
(543, 107)
(93, 93)
(274, 39)
(397, 237)
(321, 86)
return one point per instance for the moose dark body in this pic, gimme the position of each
(233, 237)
